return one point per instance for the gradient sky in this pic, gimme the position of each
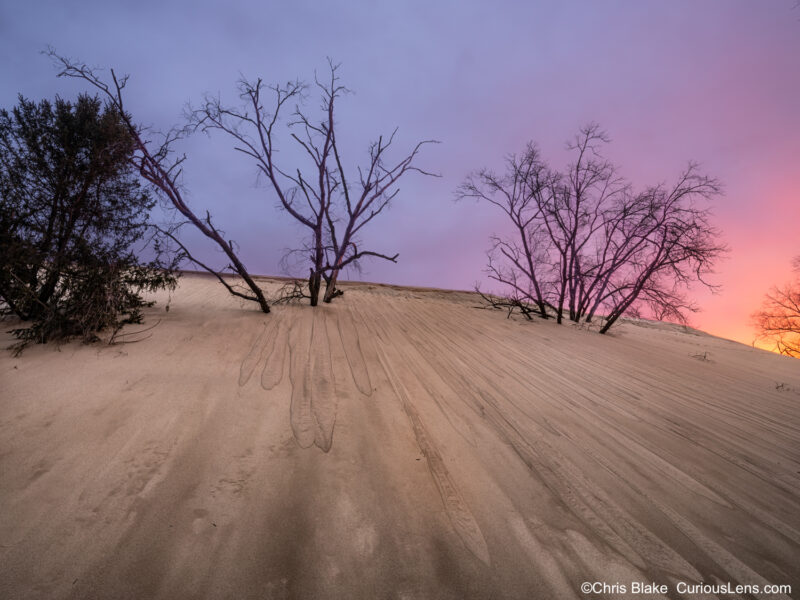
(713, 81)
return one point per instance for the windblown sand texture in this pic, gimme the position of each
(398, 443)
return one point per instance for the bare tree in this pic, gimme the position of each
(159, 165)
(624, 231)
(673, 246)
(574, 211)
(584, 242)
(376, 188)
(322, 199)
(516, 262)
(779, 318)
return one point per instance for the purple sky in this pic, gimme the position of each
(713, 81)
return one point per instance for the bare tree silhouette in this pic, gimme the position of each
(159, 164)
(518, 262)
(672, 245)
(323, 199)
(585, 242)
(574, 209)
(778, 320)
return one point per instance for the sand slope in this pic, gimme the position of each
(398, 443)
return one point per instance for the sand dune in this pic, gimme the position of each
(399, 443)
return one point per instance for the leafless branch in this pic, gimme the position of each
(584, 243)
(778, 320)
(158, 165)
(323, 197)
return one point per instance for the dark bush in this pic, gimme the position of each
(73, 222)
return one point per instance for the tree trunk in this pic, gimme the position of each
(561, 297)
(330, 288)
(314, 284)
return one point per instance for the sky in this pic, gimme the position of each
(717, 82)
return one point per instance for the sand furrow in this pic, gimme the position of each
(457, 510)
(301, 416)
(276, 351)
(585, 501)
(408, 446)
(256, 352)
(320, 384)
(352, 349)
(427, 382)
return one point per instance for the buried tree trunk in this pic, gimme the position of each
(314, 284)
(330, 288)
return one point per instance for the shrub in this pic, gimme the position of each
(73, 222)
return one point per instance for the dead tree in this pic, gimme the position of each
(574, 212)
(160, 166)
(626, 226)
(779, 318)
(586, 244)
(376, 188)
(322, 199)
(517, 193)
(675, 246)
